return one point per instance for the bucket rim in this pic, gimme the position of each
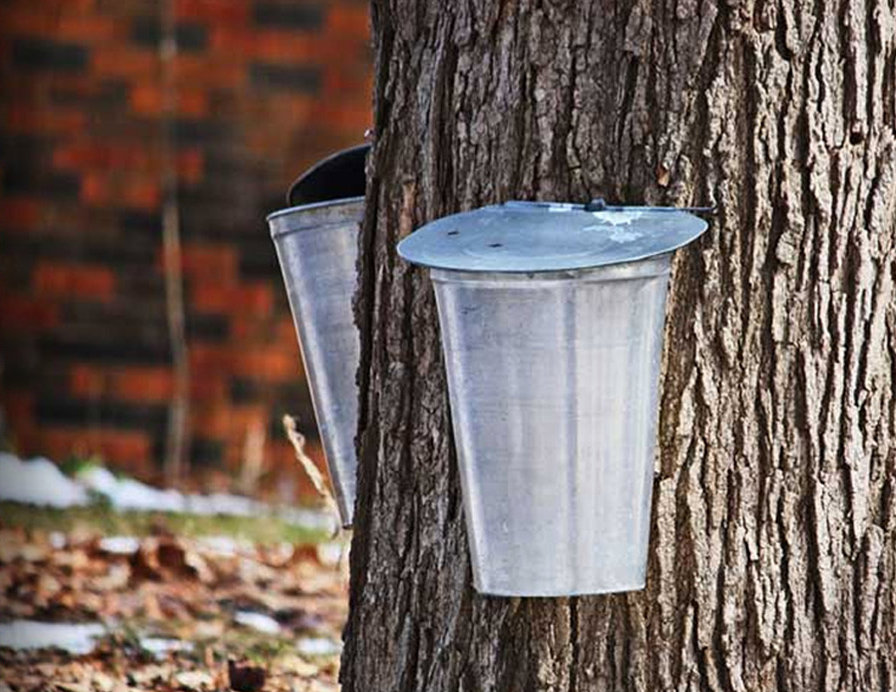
(301, 208)
(654, 265)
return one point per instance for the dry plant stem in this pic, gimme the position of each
(297, 440)
(178, 432)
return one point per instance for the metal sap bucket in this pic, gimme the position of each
(552, 324)
(316, 241)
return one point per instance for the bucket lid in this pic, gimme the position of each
(548, 236)
(338, 176)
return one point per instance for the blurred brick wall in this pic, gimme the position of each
(263, 89)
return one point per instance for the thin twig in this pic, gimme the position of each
(177, 439)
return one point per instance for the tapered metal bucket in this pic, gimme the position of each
(316, 243)
(552, 327)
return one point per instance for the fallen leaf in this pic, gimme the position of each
(297, 665)
(102, 682)
(149, 675)
(47, 670)
(194, 680)
(200, 567)
(117, 578)
(72, 687)
(47, 587)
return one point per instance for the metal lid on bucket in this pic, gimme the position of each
(548, 236)
(332, 190)
(338, 176)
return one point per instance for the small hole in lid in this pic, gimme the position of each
(453, 232)
(495, 245)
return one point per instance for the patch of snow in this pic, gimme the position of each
(75, 638)
(129, 494)
(318, 646)
(222, 503)
(120, 545)
(38, 482)
(330, 553)
(160, 646)
(313, 519)
(257, 621)
(99, 479)
(222, 545)
(194, 680)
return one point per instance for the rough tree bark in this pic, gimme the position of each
(773, 546)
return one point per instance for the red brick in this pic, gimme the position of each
(74, 281)
(38, 20)
(208, 360)
(26, 117)
(135, 384)
(141, 193)
(265, 363)
(210, 422)
(19, 212)
(286, 330)
(19, 409)
(208, 386)
(348, 21)
(220, 421)
(146, 99)
(192, 103)
(272, 45)
(215, 264)
(295, 107)
(117, 61)
(232, 12)
(143, 384)
(86, 381)
(95, 190)
(269, 363)
(27, 313)
(55, 7)
(88, 28)
(140, 189)
(248, 328)
(215, 297)
(340, 82)
(190, 166)
(210, 73)
(100, 155)
(343, 117)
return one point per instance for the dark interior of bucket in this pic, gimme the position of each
(339, 176)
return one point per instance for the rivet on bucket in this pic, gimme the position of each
(552, 323)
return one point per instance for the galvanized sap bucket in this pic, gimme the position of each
(316, 241)
(552, 327)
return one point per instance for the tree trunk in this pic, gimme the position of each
(773, 539)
